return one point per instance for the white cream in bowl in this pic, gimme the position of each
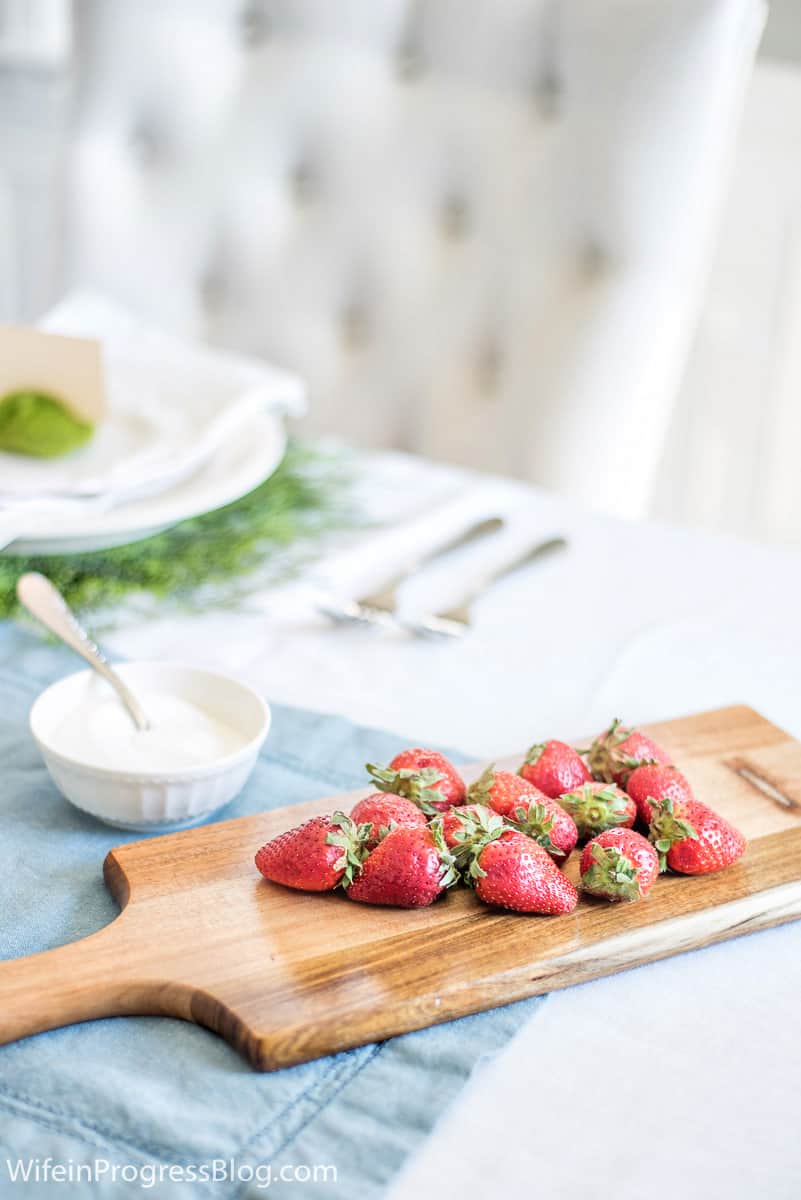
(100, 733)
(206, 732)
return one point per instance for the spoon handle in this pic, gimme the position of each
(36, 593)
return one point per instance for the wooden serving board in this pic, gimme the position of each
(286, 977)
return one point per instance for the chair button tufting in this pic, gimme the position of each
(254, 24)
(304, 182)
(548, 96)
(488, 366)
(212, 288)
(410, 61)
(146, 143)
(455, 217)
(548, 85)
(592, 258)
(355, 325)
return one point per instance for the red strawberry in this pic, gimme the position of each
(619, 864)
(450, 785)
(384, 811)
(653, 781)
(408, 868)
(617, 751)
(512, 871)
(598, 806)
(423, 776)
(693, 839)
(548, 823)
(528, 809)
(555, 768)
(461, 823)
(502, 791)
(315, 856)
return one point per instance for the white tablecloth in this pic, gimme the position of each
(676, 1079)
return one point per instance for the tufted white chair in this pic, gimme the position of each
(478, 229)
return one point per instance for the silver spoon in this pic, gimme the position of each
(44, 601)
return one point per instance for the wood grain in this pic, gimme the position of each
(286, 977)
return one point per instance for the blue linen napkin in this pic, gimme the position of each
(145, 1094)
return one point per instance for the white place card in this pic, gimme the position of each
(67, 368)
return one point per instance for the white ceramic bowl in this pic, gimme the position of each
(155, 801)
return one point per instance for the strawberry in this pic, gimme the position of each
(598, 806)
(512, 871)
(555, 768)
(693, 839)
(502, 791)
(654, 781)
(544, 820)
(315, 856)
(619, 864)
(528, 809)
(385, 811)
(618, 750)
(423, 776)
(463, 822)
(408, 868)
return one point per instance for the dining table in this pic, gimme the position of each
(678, 1078)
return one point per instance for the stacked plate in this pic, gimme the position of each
(188, 430)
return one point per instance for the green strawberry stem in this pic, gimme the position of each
(352, 839)
(601, 754)
(612, 874)
(474, 828)
(534, 754)
(537, 823)
(666, 829)
(608, 738)
(484, 828)
(417, 786)
(593, 811)
(449, 868)
(606, 761)
(480, 791)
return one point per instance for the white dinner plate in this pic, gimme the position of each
(244, 461)
(170, 406)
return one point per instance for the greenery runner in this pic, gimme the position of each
(214, 558)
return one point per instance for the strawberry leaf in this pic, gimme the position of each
(534, 753)
(537, 823)
(666, 829)
(449, 870)
(352, 839)
(480, 792)
(417, 786)
(612, 874)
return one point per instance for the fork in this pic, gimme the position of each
(454, 622)
(378, 607)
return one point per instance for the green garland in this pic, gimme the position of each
(212, 559)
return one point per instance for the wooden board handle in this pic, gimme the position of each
(81, 981)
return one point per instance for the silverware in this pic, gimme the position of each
(454, 622)
(41, 598)
(378, 607)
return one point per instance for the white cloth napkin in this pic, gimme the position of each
(172, 403)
